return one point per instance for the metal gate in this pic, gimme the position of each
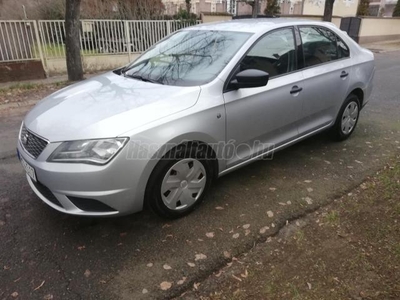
(352, 26)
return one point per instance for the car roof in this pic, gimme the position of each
(255, 25)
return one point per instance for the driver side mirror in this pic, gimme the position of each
(250, 78)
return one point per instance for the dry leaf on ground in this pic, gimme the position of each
(167, 267)
(39, 286)
(245, 274)
(165, 285)
(200, 256)
(180, 282)
(227, 254)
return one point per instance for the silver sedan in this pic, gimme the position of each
(202, 102)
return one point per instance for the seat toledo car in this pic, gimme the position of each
(202, 102)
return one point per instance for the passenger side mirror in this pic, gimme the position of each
(250, 78)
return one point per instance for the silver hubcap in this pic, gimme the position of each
(349, 117)
(183, 184)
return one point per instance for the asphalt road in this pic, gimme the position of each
(48, 255)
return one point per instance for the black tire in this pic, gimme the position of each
(153, 197)
(337, 131)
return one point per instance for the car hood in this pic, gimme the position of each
(106, 106)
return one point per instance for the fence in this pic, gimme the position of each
(45, 40)
(18, 41)
(108, 36)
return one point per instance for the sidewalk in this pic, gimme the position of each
(381, 47)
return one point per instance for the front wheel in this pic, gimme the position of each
(179, 182)
(347, 119)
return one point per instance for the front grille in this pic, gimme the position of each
(33, 144)
(46, 193)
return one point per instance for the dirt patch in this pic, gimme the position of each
(21, 70)
(348, 250)
(27, 92)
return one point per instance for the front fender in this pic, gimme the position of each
(206, 126)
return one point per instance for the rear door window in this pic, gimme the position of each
(319, 45)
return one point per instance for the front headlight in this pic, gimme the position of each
(97, 152)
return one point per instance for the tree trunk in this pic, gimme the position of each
(328, 10)
(188, 6)
(72, 43)
(255, 8)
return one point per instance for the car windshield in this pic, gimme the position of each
(187, 58)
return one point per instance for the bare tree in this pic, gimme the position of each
(396, 11)
(35, 9)
(140, 9)
(272, 8)
(72, 48)
(255, 4)
(363, 8)
(188, 5)
(90, 9)
(328, 11)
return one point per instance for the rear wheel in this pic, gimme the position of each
(179, 182)
(347, 119)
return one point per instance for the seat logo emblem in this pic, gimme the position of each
(24, 139)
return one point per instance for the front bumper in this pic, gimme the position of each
(86, 190)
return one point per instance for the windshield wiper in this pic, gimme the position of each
(140, 77)
(132, 65)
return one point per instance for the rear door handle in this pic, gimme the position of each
(295, 89)
(344, 74)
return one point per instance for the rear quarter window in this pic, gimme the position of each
(343, 49)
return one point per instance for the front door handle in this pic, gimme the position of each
(295, 89)
(344, 74)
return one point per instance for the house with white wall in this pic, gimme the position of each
(197, 6)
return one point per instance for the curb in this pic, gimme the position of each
(381, 50)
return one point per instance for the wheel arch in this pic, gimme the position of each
(360, 95)
(162, 151)
(166, 149)
(188, 139)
